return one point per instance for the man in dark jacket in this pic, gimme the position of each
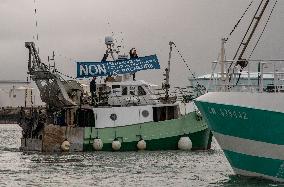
(133, 55)
(93, 89)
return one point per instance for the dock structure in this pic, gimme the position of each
(14, 82)
(9, 115)
(17, 93)
(14, 94)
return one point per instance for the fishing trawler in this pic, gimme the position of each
(125, 115)
(247, 120)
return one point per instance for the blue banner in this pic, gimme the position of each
(90, 69)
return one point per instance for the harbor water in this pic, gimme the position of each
(146, 168)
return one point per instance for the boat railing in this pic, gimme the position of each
(256, 76)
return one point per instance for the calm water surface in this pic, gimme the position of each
(166, 168)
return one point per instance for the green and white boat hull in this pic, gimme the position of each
(128, 125)
(163, 135)
(249, 128)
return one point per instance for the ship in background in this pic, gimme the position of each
(15, 94)
(127, 115)
(247, 119)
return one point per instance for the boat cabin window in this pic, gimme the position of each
(141, 91)
(163, 113)
(116, 90)
(124, 90)
(148, 89)
(59, 118)
(85, 118)
(115, 86)
(132, 90)
(100, 88)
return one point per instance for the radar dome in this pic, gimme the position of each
(108, 40)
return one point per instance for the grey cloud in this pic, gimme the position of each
(76, 30)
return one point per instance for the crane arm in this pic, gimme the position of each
(56, 93)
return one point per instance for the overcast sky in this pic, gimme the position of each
(76, 30)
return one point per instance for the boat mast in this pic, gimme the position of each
(249, 33)
(222, 60)
(110, 44)
(167, 74)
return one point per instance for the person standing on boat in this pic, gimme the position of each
(133, 55)
(104, 59)
(93, 89)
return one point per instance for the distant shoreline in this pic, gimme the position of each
(5, 122)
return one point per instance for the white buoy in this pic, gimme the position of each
(116, 145)
(141, 145)
(65, 146)
(98, 144)
(184, 143)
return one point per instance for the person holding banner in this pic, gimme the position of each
(93, 89)
(109, 68)
(133, 55)
(104, 59)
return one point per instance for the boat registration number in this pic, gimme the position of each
(228, 113)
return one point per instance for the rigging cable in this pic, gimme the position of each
(257, 18)
(36, 38)
(188, 68)
(260, 36)
(239, 21)
(269, 17)
(242, 42)
(184, 61)
(68, 76)
(36, 34)
(233, 30)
